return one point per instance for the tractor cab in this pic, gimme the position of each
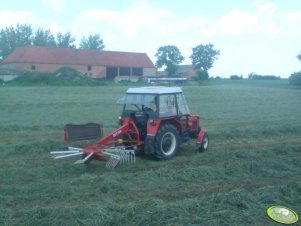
(155, 102)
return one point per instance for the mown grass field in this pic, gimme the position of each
(254, 159)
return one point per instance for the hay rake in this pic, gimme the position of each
(113, 157)
(107, 149)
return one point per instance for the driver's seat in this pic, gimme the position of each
(141, 119)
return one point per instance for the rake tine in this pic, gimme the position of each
(65, 156)
(112, 162)
(115, 162)
(63, 152)
(121, 156)
(83, 160)
(133, 157)
(108, 164)
(125, 156)
(75, 149)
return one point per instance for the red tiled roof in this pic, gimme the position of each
(64, 56)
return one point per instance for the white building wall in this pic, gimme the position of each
(149, 72)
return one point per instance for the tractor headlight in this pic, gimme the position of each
(120, 120)
(152, 122)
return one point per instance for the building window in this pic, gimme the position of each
(89, 67)
(138, 71)
(124, 71)
(33, 67)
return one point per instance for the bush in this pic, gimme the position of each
(63, 76)
(236, 77)
(34, 78)
(67, 73)
(295, 78)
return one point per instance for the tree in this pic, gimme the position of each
(169, 56)
(93, 42)
(295, 78)
(11, 38)
(201, 75)
(23, 35)
(65, 40)
(43, 38)
(299, 56)
(4, 44)
(203, 57)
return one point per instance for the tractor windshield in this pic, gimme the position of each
(138, 101)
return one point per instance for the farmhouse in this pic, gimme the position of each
(94, 63)
(185, 71)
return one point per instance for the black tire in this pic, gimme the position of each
(167, 142)
(205, 143)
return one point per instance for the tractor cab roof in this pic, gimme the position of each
(146, 95)
(154, 90)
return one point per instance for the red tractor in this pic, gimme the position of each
(154, 120)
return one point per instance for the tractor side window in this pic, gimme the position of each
(183, 109)
(167, 105)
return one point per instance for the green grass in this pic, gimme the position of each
(253, 161)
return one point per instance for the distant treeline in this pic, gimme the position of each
(254, 76)
(24, 35)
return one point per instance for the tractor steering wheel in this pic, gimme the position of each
(148, 109)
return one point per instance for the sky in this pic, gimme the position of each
(260, 36)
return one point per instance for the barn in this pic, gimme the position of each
(111, 65)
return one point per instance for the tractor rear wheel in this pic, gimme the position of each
(167, 142)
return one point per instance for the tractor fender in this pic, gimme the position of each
(153, 127)
(200, 137)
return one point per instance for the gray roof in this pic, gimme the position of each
(155, 90)
(184, 68)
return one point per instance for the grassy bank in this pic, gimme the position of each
(253, 161)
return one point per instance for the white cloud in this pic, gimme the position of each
(129, 22)
(235, 22)
(140, 27)
(11, 18)
(264, 21)
(291, 22)
(55, 28)
(55, 5)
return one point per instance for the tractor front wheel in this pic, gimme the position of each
(167, 142)
(205, 143)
